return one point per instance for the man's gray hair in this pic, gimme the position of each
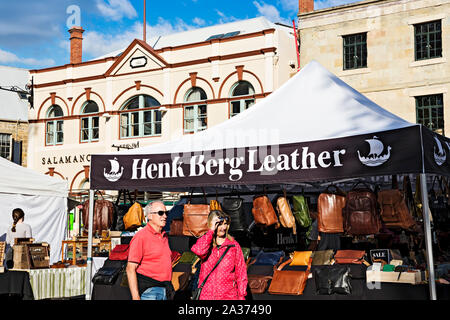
(149, 207)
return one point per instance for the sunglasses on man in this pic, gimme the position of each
(160, 213)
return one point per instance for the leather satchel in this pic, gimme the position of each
(285, 213)
(289, 282)
(267, 258)
(300, 258)
(103, 215)
(258, 283)
(134, 217)
(350, 256)
(329, 207)
(176, 227)
(263, 212)
(195, 218)
(234, 207)
(107, 275)
(394, 210)
(332, 279)
(301, 211)
(323, 257)
(361, 216)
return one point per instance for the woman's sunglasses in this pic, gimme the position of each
(161, 213)
(225, 220)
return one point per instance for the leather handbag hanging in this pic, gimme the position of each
(350, 256)
(103, 215)
(195, 218)
(134, 218)
(361, 215)
(263, 212)
(329, 209)
(234, 207)
(121, 209)
(301, 211)
(394, 210)
(285, 213)
(332, 279)
(258, 283)
(289, 282)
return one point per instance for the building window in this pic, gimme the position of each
(241, 89)
(355, 51)
(136, 122)
(89, 125)
(54, 127)
(195, 117)
(430, 112)
(5, 146)
(428, 40)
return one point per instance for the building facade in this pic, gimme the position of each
(152, 91)
(13, 115)
(393, 51)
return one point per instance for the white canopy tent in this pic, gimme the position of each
(41, 197)
(314, 127)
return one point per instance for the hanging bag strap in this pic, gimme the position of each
(217, 263)
(204, 195)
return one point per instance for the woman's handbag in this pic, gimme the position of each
(103, 215)
(332, 279)
(263, 212)
(195, 218)
(289, 282)
(322, 258)
(198, 291)
(301, 211)
(329, 207)
(350, 256)
(107, 275)
(234, 207)
(134, 217)
(285, 213)
(300, 258)
(267, 258)
(258, 283)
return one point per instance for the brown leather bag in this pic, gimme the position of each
(349, 256)
(258, 283)
(329, 207)
(195, 218)
(289, 282)
(263, 211)
(361, 215)
(134, 217)
(176, 227)
(103, 215)
(285, 213)
(394, 210)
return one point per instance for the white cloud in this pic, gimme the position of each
(9, 57)
(199, 21)
(224, 18)
(116, 9)
(269, 11)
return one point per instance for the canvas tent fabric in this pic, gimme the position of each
(314, 127)
(41, 197)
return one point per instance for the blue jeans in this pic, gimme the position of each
(154, 293)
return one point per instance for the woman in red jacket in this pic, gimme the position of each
(229, 280)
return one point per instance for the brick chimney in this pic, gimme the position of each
(305, 6)
(76, 44)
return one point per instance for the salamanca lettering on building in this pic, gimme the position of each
(66, 159)
(198, 165)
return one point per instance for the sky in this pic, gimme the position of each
(34, 34)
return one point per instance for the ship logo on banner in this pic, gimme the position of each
(440, 156)
(375, 158)
(113, 175)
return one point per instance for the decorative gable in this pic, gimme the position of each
(138, 57)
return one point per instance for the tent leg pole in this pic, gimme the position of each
(89, 253)
(428, 237)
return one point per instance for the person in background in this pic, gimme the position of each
(149, 268)
(229, 280)
(19, 228)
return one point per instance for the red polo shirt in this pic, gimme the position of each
(151, 251)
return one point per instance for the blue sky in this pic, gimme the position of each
(33, 34)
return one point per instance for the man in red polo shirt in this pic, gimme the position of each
(149, 268)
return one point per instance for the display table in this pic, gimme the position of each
(16, 283)
(82, 245)
(58, 282)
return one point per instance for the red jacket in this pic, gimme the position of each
(229, 280)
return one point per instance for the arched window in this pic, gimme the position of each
(195, 117)
(135, 122)
(54, 126)
(241, 89)
(89, 124)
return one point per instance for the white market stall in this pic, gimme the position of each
(41, 197)
(313, 128)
